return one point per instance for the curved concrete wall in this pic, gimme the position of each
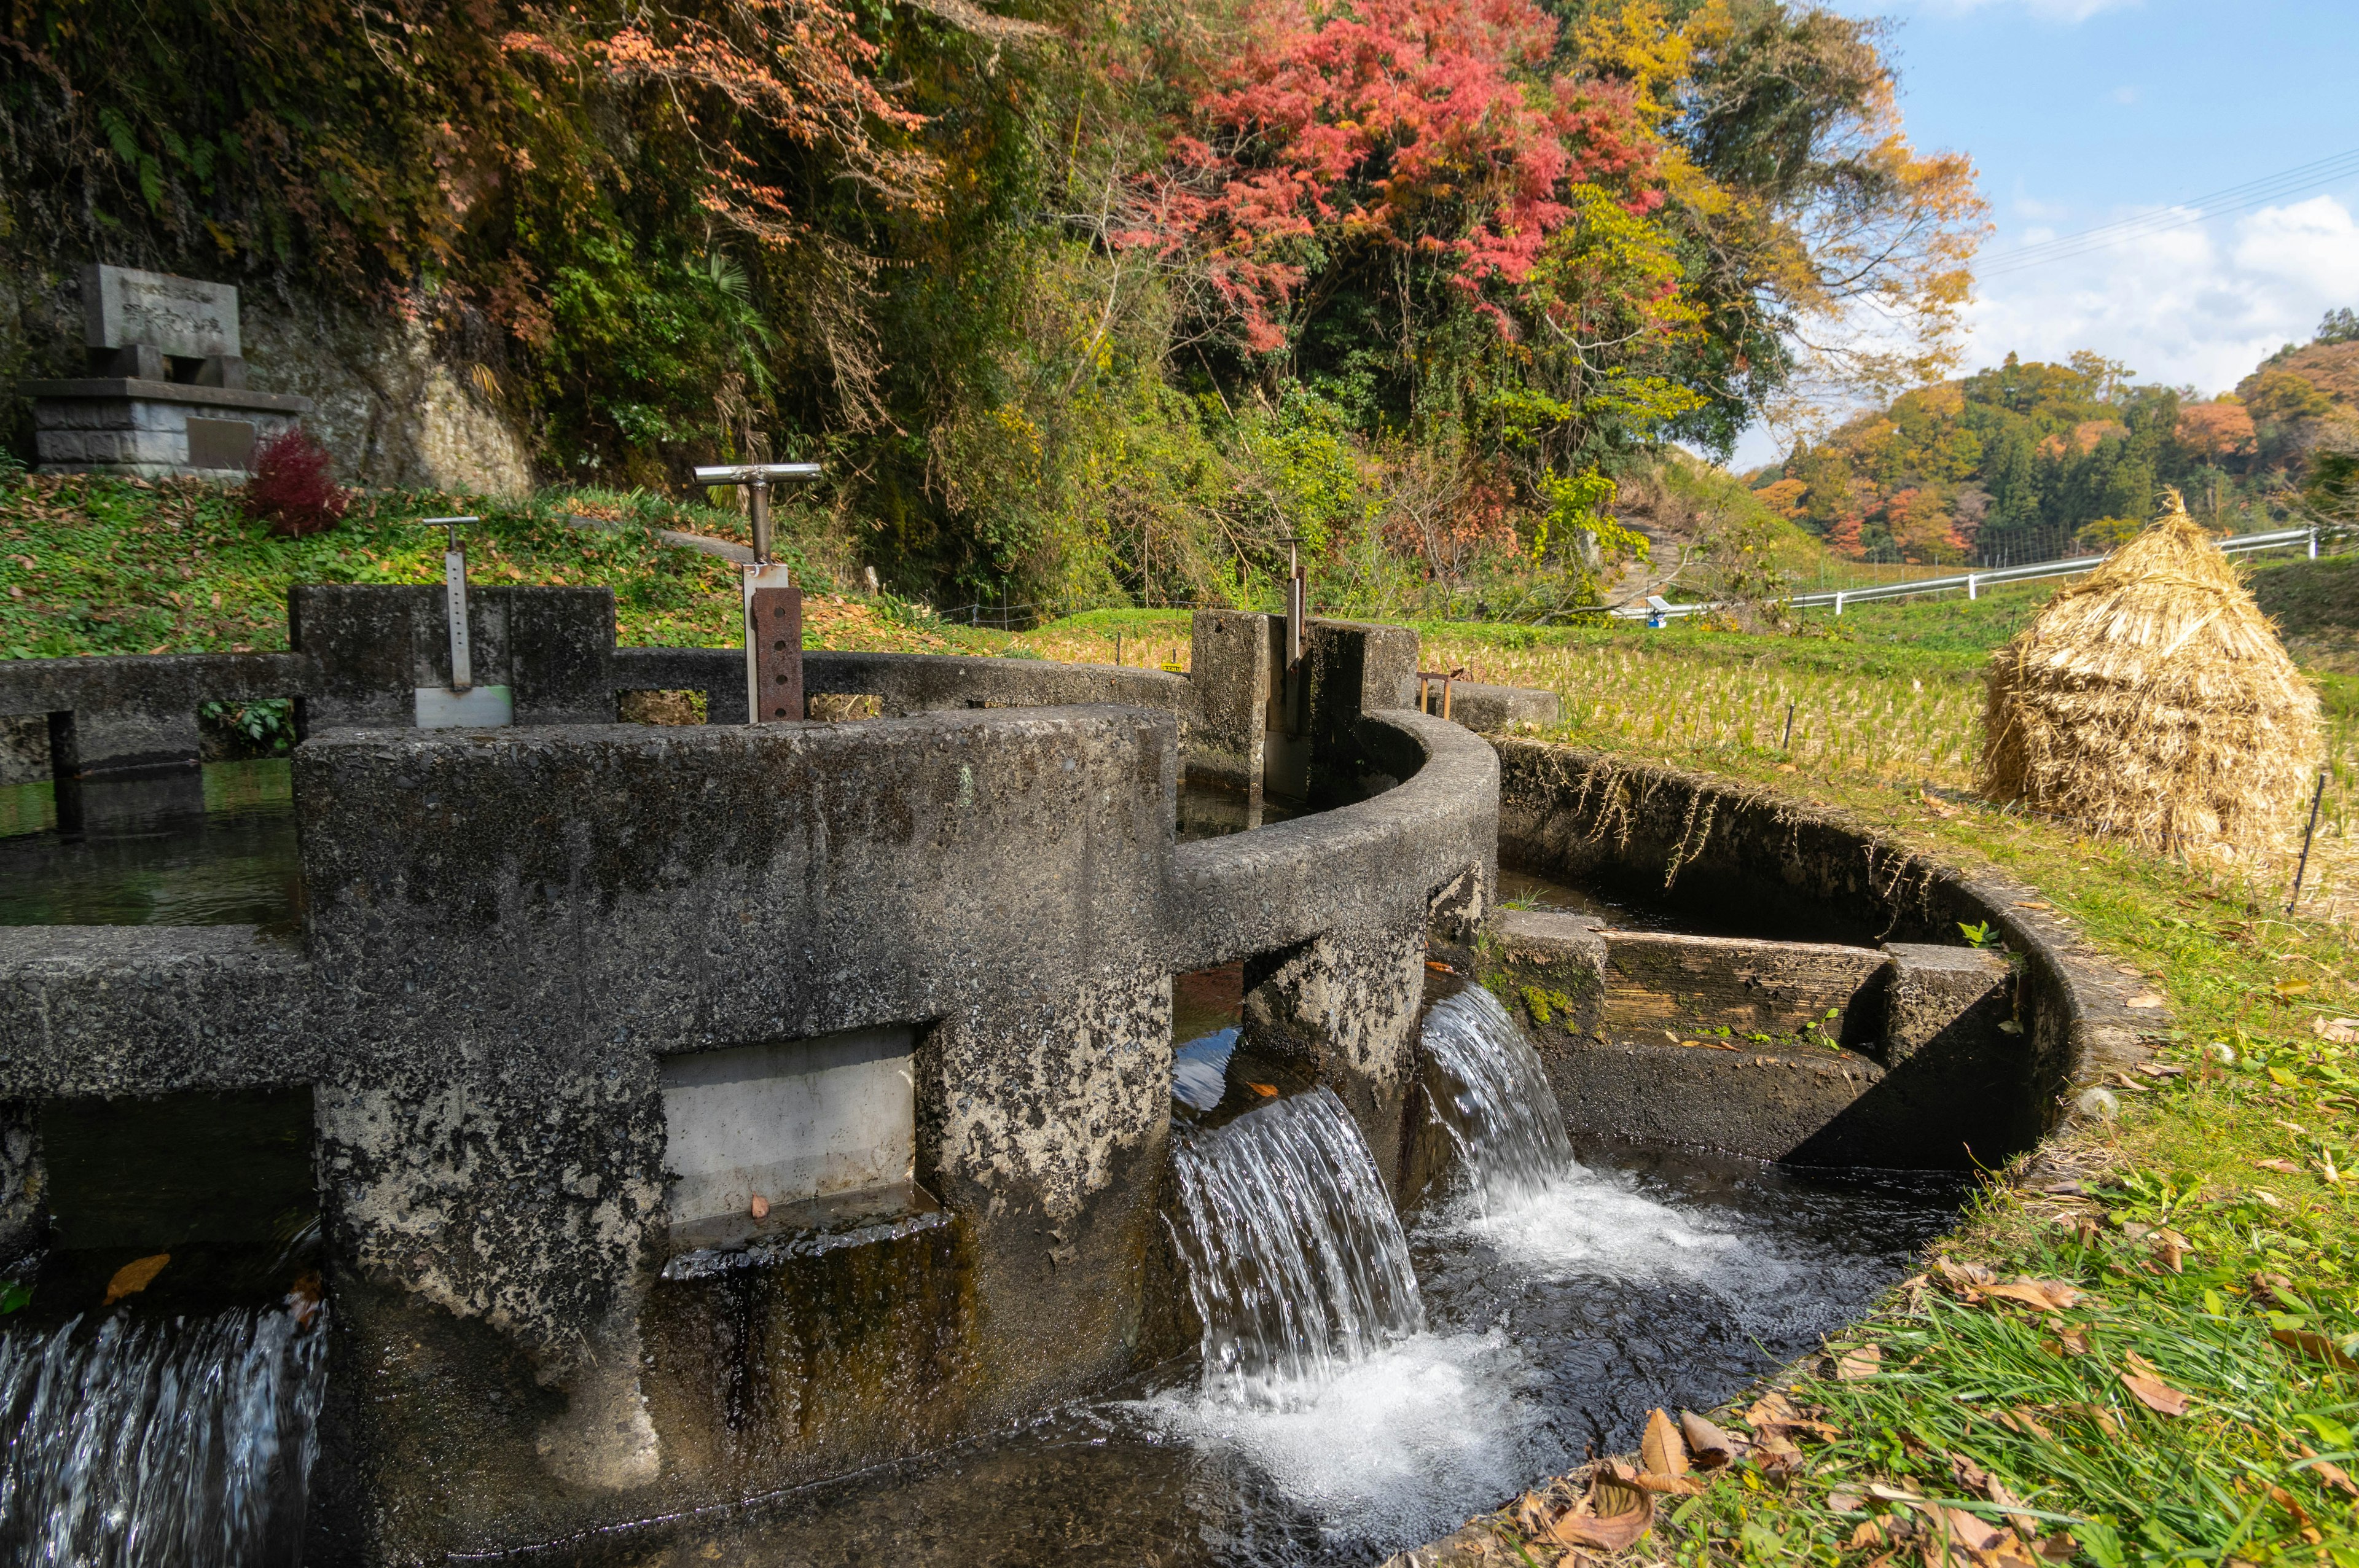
(1739, 856)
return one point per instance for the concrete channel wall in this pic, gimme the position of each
(1901, 1045)
(528, 954)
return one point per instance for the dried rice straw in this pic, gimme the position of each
(2153, 701)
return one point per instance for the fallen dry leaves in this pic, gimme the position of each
(2152, 1390)
(1858, 1364)
(135, 1277)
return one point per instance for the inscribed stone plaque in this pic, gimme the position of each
(220, 443)
(180, 315)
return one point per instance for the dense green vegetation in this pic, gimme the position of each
(1079, 303)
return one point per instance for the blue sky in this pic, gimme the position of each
(2081, 114)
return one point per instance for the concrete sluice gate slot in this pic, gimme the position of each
(1077, 1113)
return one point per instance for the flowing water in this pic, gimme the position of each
(1295, 1261)
(151, 1441)
(1354, 1397)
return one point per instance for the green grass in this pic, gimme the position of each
(100, 566)
(2307, 597)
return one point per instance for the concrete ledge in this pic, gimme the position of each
(1497, 710)
(124, 389)
(1254, 892)
(149, 1009)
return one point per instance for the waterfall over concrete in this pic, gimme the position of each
(1295, 1261)
(182, 1443)
(1493, 1099)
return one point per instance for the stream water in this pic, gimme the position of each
(214, 848)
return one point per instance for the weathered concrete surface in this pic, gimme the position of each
(1575, 815)
(1230, 661)
(1496, 709)
(507, 931)
(1661, 981)
(367, 648)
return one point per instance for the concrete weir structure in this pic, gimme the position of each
(698, 1112)
(567, 995)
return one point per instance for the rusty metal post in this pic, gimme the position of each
(773, 605)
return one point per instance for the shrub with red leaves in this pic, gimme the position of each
(293, 488)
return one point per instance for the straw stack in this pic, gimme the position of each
(2154, 701)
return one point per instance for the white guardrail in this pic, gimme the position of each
(1657, 610)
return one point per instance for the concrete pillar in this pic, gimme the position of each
(1345, 1004)
(1229, 669)
(1940, 998)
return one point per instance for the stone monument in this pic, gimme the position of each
(166, 393)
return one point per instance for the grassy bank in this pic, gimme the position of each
(122, 566)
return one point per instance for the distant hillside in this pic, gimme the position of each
(2026, 460)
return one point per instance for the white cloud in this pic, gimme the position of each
(2197, 306)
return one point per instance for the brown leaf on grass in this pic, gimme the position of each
(1662, 1452)
(2339, 1031)
(2155, 1394)
(2040, 1295)
(1964, 1276)
(2315, 1345)
(2328, 1472)
(1846, 1500)
(2069, 1340)
(2016, 1510)
(1973, 1532)
(2282, 1167)
(135, 1277)
(1710, 1446)
(1614, 1514)
(2095, 1416)
(2024, 1421)
(2291, 1504)
(1859, 1364)
(1867, 1533)
(2278, 1291)
(2058, 1547)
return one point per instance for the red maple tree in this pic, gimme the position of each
(1420, 125)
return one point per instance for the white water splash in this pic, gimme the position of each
(1388, 1448)
(1296, 1261)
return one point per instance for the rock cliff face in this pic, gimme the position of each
(394, 409)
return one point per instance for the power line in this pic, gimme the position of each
(2180, 215)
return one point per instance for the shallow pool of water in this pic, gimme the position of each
(217, 848)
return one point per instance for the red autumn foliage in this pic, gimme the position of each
(1414, 123)
(293, 487)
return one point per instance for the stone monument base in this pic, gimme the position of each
(155, 429)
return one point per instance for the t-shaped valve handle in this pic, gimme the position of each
(773, 605)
